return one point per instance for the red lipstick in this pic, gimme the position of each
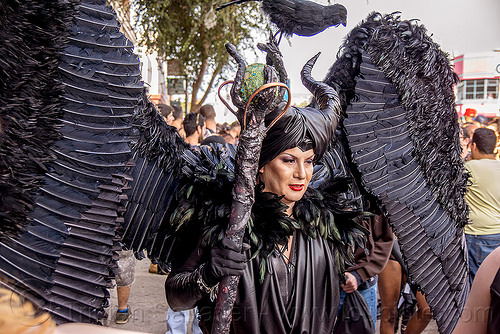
(296, 187)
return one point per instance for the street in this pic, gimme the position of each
(147, 300)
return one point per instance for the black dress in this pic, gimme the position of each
(304, 302)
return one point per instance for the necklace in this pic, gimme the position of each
(286, 259)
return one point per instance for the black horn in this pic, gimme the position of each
(326, 97)
(238, 79)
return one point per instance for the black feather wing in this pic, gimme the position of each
(158, 155)
(403, 136)
(30, 105)
(432, 244)
(152, 191)
(64, 260)
(166, 205)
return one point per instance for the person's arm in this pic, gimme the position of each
(382, 238)
(474, 318)
(199, 277)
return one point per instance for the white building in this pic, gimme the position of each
(479, 75)
(153, 71)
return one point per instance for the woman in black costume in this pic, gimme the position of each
(290, 270)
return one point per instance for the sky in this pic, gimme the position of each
(458, 26)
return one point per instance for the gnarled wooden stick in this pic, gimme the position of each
(246, 167)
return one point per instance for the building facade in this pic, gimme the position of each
(479, 75)
(153, 69)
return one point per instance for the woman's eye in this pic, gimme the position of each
(288, 161)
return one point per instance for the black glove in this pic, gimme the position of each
(225, 260)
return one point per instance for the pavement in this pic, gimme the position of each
(149, 306)
(147, 302)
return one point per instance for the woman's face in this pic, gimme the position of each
(288, 174)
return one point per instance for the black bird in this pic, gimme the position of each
(300, 17)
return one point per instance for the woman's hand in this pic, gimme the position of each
(225, 260)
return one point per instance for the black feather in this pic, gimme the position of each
(31, 36)
(203, 199)
(300, 17)
(64, 262)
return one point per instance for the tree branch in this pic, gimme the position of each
(210, 84)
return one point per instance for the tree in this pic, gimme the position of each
(192, 32)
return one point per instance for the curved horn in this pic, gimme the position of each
(238, 79)
(327, 98)
(274, 58)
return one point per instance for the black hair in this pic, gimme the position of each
(177, 112)
(207, 111)
(191, 122)
(305, 128)
(495, 121)
(485, 140)
(466, 132)
(165, 109)
(213, 139)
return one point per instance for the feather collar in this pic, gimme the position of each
(205, 198)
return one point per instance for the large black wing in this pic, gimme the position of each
(402, 130)
(63, 261)
(30, 105)
(158, 154)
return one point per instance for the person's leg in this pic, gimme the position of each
(473, 258)
(370, 296)
(123, 293)
(177, 322)
(389, 285)
(341, 299)
(124, 279)
(479, 247)
(195, 327)
(421, 318)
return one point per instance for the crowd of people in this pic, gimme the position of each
(313, 246)
(200, 128)
(382, 269)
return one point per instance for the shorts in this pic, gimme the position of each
(126, 268)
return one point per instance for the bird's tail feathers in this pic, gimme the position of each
(234, 2)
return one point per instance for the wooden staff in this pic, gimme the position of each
(245, 175)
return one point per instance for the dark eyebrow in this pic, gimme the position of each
(293, 156)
